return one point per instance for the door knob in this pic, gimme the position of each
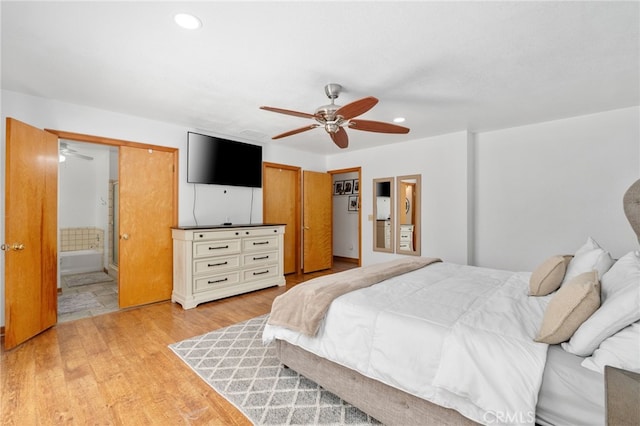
(125, 236)
(14, 246)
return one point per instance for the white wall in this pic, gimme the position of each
(83, 198)
(543, 189)
(83, 192)
(442, 162)
(508, 199)
(212, 205)
(503, 199)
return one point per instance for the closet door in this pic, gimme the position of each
(281, 204)
(147, 197)
(31, 205)
(317, 206)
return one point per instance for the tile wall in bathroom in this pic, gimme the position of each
(84, 238)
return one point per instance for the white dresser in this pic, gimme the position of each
(406, 237)
(214, 262)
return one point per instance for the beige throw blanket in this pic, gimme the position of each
(303, 307)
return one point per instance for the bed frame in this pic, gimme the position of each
(385, 403)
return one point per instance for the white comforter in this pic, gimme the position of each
(459, 336)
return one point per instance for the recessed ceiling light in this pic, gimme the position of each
(187, 21)
(398, 120)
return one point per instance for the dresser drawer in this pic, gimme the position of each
(259, 232)
(215, 264)
(215, 248)
(266, 243)
(260, 258)
(267, 271)
(404, 236)
(217, 235)
(213, 282)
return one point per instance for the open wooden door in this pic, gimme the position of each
(147, 198)
(281, 204)
(317, 213)
(31, 199)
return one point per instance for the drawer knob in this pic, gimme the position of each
(217, 264)
(261, 272)
(218, 248)
(218, 281)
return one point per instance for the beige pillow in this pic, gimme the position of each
(547, 277)
(570, 307)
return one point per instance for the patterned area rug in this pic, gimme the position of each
(73, 302)
(235, 363)
(86, 279)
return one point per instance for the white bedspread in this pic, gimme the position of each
(459, 336)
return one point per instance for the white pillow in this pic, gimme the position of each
(622, 350)
(587, 258)
(620, 306)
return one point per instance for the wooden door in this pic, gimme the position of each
(31, 200)
(147, 192)
(317, 221)
(281, 204)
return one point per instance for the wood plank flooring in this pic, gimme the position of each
(116, 369)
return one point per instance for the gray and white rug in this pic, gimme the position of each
(235, 363)
(73, 302)
(86, 279)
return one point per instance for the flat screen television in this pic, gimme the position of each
(213, 160)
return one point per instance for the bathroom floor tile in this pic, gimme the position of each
(105, 293)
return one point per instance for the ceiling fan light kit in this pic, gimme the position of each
(334, 118)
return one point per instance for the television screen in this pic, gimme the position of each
(220, 161)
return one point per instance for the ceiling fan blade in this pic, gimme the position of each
(356, 108)
(288, 112)
(377, 126)
(295, 131)
(340, 138)
(65, 147)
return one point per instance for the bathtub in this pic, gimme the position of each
(80, 261)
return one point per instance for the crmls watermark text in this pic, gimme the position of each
(496, 417)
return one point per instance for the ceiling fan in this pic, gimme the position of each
(334, 118)
(65, 151)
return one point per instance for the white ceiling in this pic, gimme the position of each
(445, 66)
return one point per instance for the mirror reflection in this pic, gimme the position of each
(408, 214)
(383, 214)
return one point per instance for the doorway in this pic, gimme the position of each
(87, 212)
(147, 210)
(283, 203)
(347, 219)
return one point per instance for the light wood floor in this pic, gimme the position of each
(116, 369)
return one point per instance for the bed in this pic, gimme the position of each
(433, 342)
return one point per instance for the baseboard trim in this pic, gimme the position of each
(347, 259)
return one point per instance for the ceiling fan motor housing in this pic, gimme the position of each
(332, 90)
